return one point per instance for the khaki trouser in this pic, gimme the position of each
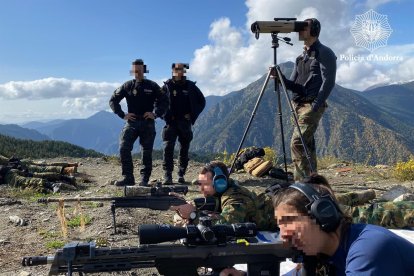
(308, 121)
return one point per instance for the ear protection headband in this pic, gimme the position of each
(315, 27)
(219, 180)
(185, 65)
(140, 62)
(321, 207)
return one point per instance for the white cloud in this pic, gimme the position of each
(52, 98)
(234, 58)
(230, 61)
(49, 88)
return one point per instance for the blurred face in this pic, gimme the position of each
(305, 34)
(137, 71)
(178, 71)
(301, 231)
(205, 183)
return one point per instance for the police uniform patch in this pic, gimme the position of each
(118, 91)
(313, 54)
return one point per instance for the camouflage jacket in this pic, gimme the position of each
(394, 215)
(239, 204)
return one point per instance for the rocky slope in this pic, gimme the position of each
(95, 176)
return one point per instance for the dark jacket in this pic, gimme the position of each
(141, 97)
(313, 76)
(196, 98)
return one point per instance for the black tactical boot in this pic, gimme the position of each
(167, 179)
(126, 181)
(181, 179)
(180, 174)
(144, 181)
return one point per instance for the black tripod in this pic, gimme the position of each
(272, 70)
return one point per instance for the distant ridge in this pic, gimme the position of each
(374, 126)
(20, 148)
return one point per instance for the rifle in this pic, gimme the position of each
(154, 198)
(215, 247)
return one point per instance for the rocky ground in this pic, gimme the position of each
(41, 231)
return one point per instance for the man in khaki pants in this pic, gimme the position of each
(311, 82)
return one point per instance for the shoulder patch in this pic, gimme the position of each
(118, 91)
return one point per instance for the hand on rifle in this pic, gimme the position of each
(184, 210)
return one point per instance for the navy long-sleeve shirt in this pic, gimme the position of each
(141, 97)
(373, 250)
(313, 76)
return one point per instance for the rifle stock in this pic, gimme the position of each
(169, 259)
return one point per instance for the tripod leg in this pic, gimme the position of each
(251, 119)
(295, 117)
(282, 132)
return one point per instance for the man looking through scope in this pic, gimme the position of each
(311, 82)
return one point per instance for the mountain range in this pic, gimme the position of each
(373, 126)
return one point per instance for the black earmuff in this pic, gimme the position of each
(315, 27)
(140, 62)
(185, 65)
(321, 207)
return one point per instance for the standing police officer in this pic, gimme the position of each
(186, 103)
(311, 82)
(146, 101)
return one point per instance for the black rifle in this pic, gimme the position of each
(215, 247)
(154, 198)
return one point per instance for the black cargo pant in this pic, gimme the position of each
(180, 129)
(145, 130)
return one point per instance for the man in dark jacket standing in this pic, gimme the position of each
(146, 101)
(311, 82)
(186, 104)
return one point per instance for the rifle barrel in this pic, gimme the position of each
(71, 199)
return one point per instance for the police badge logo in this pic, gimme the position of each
(371, 30)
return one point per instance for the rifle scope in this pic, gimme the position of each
(204, 232)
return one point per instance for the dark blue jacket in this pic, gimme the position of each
(313, 76)
(196, 98)
(141, 97)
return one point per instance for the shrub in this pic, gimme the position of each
(270, 154)
(404, 170)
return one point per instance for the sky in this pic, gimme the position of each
(63, 59)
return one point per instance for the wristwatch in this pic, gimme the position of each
(193, 215)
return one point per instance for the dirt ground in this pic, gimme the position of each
(95, 177)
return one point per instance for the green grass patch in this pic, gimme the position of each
(55, 244)
(48, 234)
(76, 221)
(92, 204)
(27, 194)
(325, 161)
